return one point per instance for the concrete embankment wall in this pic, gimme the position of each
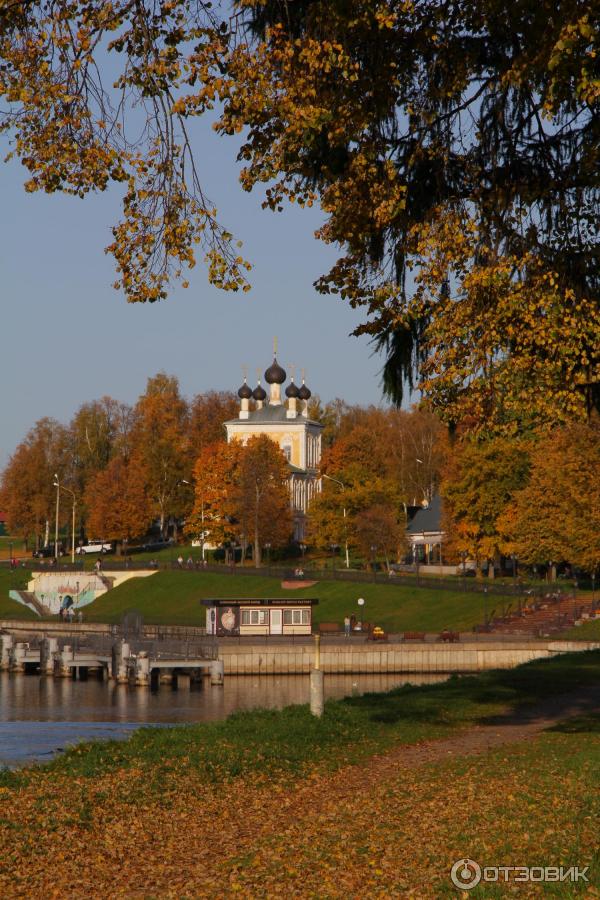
(402, 658)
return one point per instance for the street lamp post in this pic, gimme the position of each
(63, 487)
(373, 557)
(332, 548)
(57, 486)
(361, 603)
(268, 549)
(415, 551)
(343, 487)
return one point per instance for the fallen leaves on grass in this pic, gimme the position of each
(378, 829)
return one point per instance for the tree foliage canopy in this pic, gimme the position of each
(453, 147)
(94, 97)
(556, 515)
(241, 494)
(481, 479)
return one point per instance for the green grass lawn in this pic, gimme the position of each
(13, 580)
(174, 598)
(588, 632)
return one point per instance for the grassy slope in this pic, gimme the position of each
(174, 597)
(17, 580)
(588, 632)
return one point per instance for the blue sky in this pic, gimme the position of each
(69, 337)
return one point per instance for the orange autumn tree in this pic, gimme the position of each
(118, 506)
(241, 495)
(262, 495)
(161, 444)
(213, 512)
(480, 480)
(208, 412)
(379, 533)
(327, 524)
(384, 458)
(556, 516)
(27, 492)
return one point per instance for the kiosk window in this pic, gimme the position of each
(296, 617)
(255, 617)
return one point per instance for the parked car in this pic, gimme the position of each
(153, 546)
(94, 547)
(48, 551)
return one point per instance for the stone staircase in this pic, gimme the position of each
(29, 599)
(554, 612)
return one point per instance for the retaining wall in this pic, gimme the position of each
(402, 658)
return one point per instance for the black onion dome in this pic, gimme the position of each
(304, 393)
(245, 392)
(275, 374)
(291, 390)
(259, 393)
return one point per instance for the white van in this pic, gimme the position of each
(94, 547)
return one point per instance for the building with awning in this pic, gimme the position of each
(237, 617)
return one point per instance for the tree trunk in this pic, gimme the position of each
(257, 555)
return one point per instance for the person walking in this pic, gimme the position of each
(347, 626)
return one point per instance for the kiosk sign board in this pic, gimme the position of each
(228, 621)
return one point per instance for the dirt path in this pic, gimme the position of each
(522, 725)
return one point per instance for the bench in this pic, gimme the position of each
(329, 627)
(449, 637)
(414, 635)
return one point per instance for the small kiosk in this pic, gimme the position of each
(277, 616)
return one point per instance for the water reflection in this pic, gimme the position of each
(40, 715)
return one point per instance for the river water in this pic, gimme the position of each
(41, 716)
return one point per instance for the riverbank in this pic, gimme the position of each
(282, 804)
(41, 717)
